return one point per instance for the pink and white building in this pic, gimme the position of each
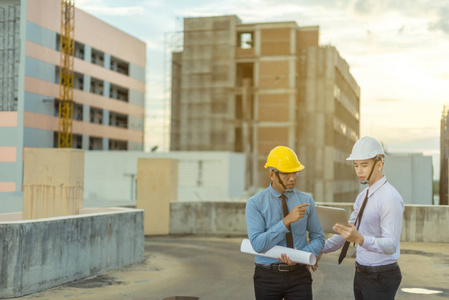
(109, 88)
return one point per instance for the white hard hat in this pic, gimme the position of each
(366, 148)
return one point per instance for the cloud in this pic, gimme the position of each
(442, 76)
(443, 20)
(435, 13)
(366, 6)
(401, 121)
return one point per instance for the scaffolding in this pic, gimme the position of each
(66, 73)
(203, 86)
(9, 56)
(444, 156)
(173, 46)
(211, 93)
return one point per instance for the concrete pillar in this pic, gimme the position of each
(87, 53)
(107, 61)
(157, 186)
(53, 182)
(107, 89)
(86, 84)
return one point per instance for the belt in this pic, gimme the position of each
(375, 269)
(281, 267)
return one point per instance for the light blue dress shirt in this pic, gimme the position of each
(266, 229)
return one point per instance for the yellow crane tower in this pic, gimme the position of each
(66, 77)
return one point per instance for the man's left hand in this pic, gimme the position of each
(349, 233)
(286, 260)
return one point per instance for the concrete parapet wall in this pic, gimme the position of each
(44, 253)
(421, 223)
(426, 223)
(208, 218)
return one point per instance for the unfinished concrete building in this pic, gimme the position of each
(251, 87)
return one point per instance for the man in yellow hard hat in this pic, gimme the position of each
(281, 215)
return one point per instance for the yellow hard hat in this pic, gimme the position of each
(284, 159)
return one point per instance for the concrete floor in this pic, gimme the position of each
(214, 268)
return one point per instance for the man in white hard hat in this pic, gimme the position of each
(282, 215)
(375, 226)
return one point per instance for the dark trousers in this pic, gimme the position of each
(378, 285)
(277, 285)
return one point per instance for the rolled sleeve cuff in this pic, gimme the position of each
(280, 227)
(333, 244)
(310, 250)
(367, 242)
(326, 248)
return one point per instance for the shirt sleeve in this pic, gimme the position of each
(262, 240)
(316, 235)
(391, 212)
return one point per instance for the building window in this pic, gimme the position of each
(96, 86)
(119, 93)
(58, 41)
(118, 145)
(97, 57)
(245, 40)
(96, 115)
(118, 120)
(77, 140)
(79, 50)
(95, 143)
(79, 47)
(244, 71)
(119, 65)
(78, 79)
(77, 110)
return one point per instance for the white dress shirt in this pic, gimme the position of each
(381, 225)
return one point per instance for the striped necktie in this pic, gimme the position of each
(358, 220)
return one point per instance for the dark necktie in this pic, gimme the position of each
(358, 220)
(288, 235)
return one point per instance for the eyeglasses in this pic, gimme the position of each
(289, 174)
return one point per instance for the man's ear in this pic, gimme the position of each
(381, 165)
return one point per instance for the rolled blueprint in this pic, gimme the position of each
(298, 256)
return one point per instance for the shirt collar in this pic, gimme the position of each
(377, 185)
(274, 192)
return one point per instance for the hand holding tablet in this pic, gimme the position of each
(329, 216)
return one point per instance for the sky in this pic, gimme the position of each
(398, 52)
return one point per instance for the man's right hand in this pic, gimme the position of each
(298, 212)
(315, 266)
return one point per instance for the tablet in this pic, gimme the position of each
(328, 216)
